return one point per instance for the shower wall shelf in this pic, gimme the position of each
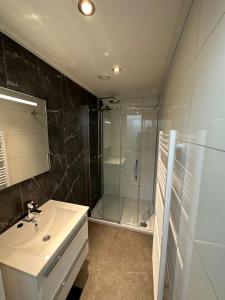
(165, 166)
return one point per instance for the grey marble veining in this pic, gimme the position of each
(11, 208)
(2, 64)
(68, 178)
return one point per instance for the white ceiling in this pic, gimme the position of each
(137, 34)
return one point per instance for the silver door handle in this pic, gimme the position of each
(136, 169)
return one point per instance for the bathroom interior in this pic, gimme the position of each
(112, 156)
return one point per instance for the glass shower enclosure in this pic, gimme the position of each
(128, 141)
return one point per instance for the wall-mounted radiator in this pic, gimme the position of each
(165, 164)
(4, 176)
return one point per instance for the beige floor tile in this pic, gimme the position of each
(118, 266)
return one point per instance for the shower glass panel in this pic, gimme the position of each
(111, 204)
(147, 166)
(128, 163)
(131, 120)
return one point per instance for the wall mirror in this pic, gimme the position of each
(24, 148)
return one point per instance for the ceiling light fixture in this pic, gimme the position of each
(86, 7)
(10, 98)
(103, 76)
(116, 69)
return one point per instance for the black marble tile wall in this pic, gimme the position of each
(68, 118)
(95, 120)
(2, 64)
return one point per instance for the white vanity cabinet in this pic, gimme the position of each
(56, 278)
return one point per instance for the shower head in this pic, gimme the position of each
(106, 108)
(114, 101)
(111, 100)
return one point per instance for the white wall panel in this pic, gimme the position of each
(193, 103)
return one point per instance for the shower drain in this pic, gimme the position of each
(143, 224)
(46, 238)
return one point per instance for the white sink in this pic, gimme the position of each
(30, 238)
(24, 248)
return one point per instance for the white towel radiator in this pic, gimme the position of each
(4, 176)
(165, 164)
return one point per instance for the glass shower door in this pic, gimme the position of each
(147, 167)
(128, 163)
(131, 120)
(111, 205)
(138, 141)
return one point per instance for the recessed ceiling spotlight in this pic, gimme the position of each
(86, 7)
(116, 69)
(103, 76)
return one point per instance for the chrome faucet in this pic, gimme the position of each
(32, 210)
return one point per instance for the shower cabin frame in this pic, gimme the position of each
(100, 158)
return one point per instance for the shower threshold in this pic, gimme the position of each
(108, 210)
(122, 226)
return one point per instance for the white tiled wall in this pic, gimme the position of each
(193, 103)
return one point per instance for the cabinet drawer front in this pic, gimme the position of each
(69, 280)
(51, 279)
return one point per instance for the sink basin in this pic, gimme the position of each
(29, 248)
(30, 238)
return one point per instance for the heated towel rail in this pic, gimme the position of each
(4, 176)
(165, 164)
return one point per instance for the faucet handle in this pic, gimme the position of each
(31, 204)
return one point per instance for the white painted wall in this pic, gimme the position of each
(193, 103)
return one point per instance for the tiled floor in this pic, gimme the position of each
(118, 266)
